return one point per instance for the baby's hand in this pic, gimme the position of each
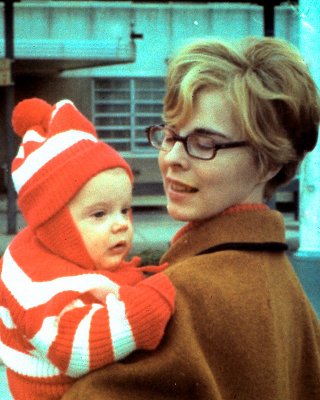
(101, 292)
(103, 287)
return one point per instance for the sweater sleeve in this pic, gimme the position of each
(62, 324)
(88, 336)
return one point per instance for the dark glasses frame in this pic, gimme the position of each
(185, 140)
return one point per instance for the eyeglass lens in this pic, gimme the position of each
(196, 145)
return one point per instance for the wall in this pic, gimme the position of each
(164, 27)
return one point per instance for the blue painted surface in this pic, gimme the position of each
(308, 271)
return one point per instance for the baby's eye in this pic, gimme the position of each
(125, 211)
(99, 214)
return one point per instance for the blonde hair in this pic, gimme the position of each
(272, 95)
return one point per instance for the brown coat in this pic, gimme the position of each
(243, 327)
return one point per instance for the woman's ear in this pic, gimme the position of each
(266, 176)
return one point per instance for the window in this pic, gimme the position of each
(123, 108)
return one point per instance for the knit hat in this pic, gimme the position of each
(59, 153)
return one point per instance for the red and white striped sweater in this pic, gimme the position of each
(54, 330)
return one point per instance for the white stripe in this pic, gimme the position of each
(27, 364)
(31, 294)
(30, 136)
(121, 334)
(20, 153)
(50, 149)
(44, 338)
(47, 334)
(4, 385)
(80, 358)
(6, 319)
(59, 105)
(33, 136)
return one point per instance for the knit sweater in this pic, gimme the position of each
(55, 328)
(243, 328)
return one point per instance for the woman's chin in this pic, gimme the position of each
(179, 213)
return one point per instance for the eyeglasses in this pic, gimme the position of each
(198, 144)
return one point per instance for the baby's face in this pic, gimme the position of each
(101, 211)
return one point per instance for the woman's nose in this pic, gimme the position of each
(177, 155)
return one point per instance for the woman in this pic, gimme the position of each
(238, 121)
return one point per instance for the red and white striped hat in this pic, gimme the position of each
(59, 153)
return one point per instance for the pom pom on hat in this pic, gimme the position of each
(31, 113)
(59, 153)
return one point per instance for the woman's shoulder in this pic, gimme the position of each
(224, 277)
(249, 290)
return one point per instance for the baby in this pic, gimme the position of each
(70, 303)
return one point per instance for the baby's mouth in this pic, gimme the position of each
(119, 246)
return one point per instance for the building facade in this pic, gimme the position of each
(110, 58)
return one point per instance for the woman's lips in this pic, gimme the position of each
(180, 187)
(179, 192)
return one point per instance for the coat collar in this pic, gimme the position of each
(249, 224)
